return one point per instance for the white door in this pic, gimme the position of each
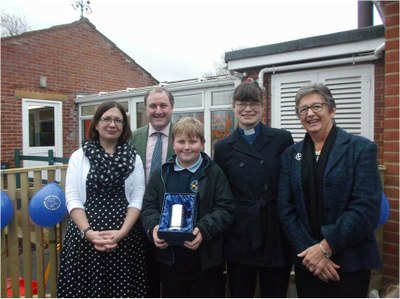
(42, 129)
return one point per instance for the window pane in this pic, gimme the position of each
(178, 115)
(89, 110)
(86, 127)
(191, 100)
(221, 98)
(141, 115)
(41, 126)
(222, 124)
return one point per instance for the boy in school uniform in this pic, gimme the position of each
(194, 268)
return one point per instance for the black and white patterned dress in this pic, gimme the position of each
(86, 272)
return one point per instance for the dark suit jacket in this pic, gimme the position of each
(351, 202)
(139, 140)
(255, 237)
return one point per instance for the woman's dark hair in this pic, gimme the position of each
(101, 109)
(246, 92)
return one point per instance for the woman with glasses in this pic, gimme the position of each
(104, 250)
(329, 202)
(250, 158)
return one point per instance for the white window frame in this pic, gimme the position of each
(42, 150)
(58, 131)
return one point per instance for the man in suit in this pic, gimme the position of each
(250, 158)
(159, 103)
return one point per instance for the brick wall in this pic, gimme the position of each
(379, 117)
(390, 249)
(76, 59)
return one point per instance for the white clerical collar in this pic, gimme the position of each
(249, 132)
(192, 169)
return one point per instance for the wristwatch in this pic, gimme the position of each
(324, 252)
(84, 231)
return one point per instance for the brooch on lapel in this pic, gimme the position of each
(298, 157)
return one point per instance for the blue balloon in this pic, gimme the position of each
(7, 210)
(385, 209)
(47, 207)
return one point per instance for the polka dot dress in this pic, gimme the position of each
(86, 272)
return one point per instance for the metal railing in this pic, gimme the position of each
(29, 253)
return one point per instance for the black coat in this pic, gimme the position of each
(255, 237)
(215, 210)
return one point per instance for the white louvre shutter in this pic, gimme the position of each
(351, 87)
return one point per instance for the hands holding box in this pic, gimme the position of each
(177, 218)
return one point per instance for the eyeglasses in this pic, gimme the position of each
(252, 105)
(317, 107)
(109, 120)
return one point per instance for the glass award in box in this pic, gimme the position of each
(177, 218)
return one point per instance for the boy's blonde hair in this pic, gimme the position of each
(190, 127)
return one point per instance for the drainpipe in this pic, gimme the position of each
(365, 14)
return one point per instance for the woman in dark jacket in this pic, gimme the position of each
(329, 202)
(250, 158)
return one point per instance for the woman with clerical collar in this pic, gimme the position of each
(250, 158)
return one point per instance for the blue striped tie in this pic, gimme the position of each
(156, 158)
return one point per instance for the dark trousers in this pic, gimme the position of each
(351, 285)
(196, 284)
(273, 281)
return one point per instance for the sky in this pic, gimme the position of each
(182, 39)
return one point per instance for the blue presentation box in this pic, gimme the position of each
(175, 236)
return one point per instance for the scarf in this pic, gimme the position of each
(312, 174)
(110, 169)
